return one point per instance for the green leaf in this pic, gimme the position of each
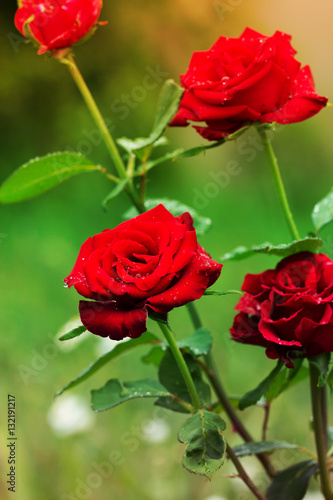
(199, 343)
(167, 107)
(224, 292)
(283, 250)
(41, 174)
(206, 447)
(146, 338)
(154, 356)
(201, 224)
(257, 447)
(171, 378)
(188, 153)
(115, 392)
(292, 483)
(278, 381)
(252, 397)
(286, 378)
(73, 333)
(115, 191)
(323, 212)
(322, 364)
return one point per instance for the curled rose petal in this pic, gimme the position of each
(108, 319)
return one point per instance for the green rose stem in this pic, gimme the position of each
(99, 121)
(318, 398)
(169, 336)
(210, 368)
(281, 193)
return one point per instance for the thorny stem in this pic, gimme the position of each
(267, 408)
(319, 420)
(279, 187)
(212, 373)
(241, 471)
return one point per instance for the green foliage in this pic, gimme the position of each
(115, 392)
(292, 483)
(171, 378)
(223, 292)
(277, 381)
(206, 446)
(76, 332)
(167, 107)
(115, 191)
(256, 447)
(252, 397)
(41, 174)
(201, 224)
(323, 212)
(199, 343)
(286, 378)
(283, 250)
(146, 338)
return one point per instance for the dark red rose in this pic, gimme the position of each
(288, 310)
(57, 24)
(244, 80)
(152, 261)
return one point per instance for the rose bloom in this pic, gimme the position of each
(253, 78)
(288, 309)
(152, 261)
(57, 24)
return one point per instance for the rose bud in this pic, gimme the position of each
(253, 78)
(152, 261)
(288, 310)
(57, 24)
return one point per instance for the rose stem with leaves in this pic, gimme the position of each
(100, 122)
(318, 396)
(279, 187)
(212, 373)
(169, 336)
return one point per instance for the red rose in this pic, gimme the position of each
(151, 261)
(57, 24)
(288, 310)
(243, 80)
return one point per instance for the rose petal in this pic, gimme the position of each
(108, 319)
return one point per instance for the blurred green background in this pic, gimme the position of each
(42, 111)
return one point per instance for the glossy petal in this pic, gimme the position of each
(108, 319)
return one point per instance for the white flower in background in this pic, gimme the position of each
(215, 497)
(314, 496)
(70, 415)
(104, 345)
(156, 431)
(68, 345)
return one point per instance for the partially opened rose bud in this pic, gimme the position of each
(57, 24)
